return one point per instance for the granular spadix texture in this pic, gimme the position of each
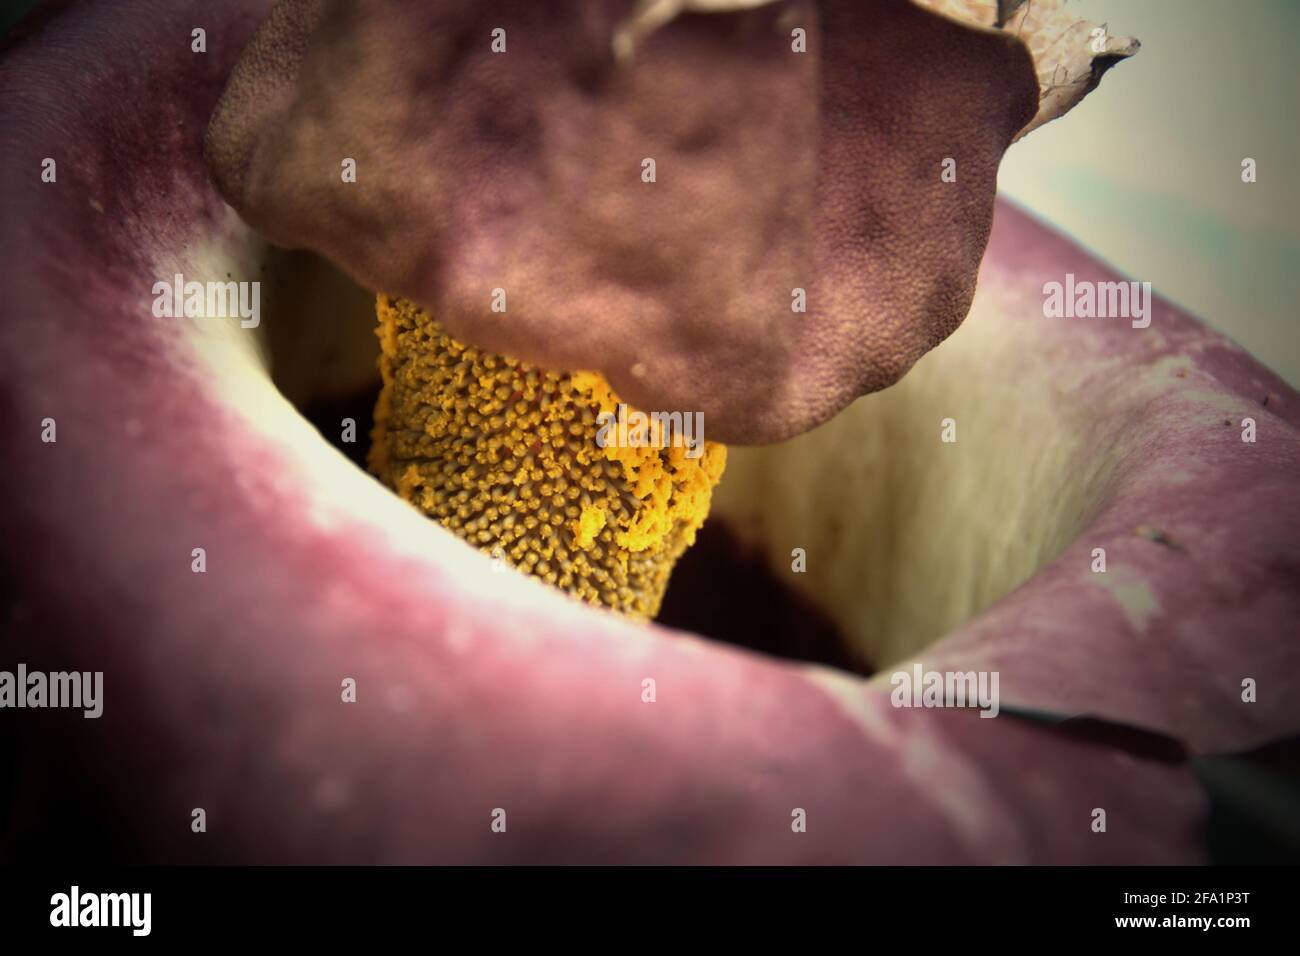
(506, 455)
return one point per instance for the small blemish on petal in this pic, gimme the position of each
(1159, 536)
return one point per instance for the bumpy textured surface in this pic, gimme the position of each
(775, 170)
(505, 455)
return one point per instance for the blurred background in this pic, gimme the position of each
(1146, 171)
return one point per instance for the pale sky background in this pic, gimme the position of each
(1146, 171)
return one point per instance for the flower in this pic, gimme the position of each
(479, 691)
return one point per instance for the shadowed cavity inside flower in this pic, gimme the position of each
(750, 213)
(854, 545)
